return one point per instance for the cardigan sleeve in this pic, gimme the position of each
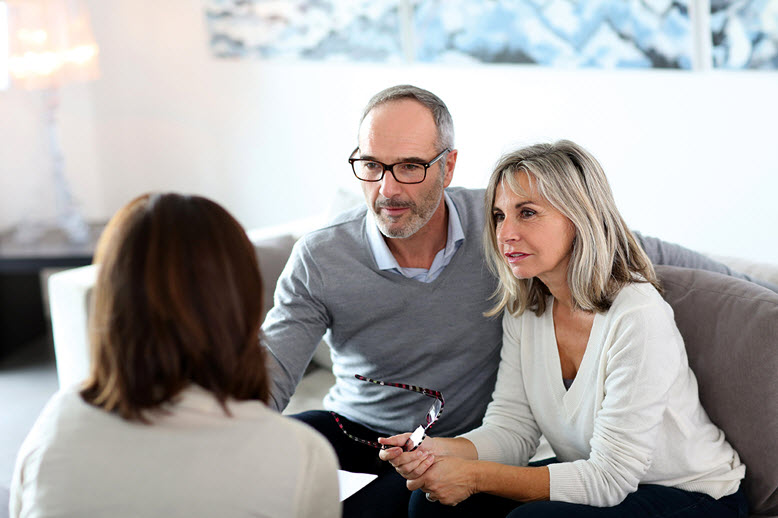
(509, 433)
(644, 351)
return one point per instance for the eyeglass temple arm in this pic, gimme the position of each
(427, 392)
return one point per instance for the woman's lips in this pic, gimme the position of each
(515, 257)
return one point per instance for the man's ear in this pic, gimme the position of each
(451, 162)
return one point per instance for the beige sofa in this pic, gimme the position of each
(730, 328)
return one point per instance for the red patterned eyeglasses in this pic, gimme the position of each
(420, 433)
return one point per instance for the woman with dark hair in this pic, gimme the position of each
(591, 359)
(172, 419)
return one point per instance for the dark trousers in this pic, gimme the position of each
(386, 496)
(649, 501)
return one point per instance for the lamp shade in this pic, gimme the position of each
(50, 43)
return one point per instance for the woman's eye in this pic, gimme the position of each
(498, 217)
(527, 213)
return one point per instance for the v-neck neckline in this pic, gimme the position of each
(570, 397)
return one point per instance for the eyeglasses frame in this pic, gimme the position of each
(390, 167)
(420, 432)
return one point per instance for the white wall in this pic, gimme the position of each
(691, 156)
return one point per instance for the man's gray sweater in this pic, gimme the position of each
(385, 326)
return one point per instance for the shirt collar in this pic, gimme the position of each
(383, 256)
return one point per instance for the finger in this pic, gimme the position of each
(406, 464)
(395, 440)
(390, 454)
(422, 468)
(396, 457)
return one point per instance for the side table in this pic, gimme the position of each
(22, 315)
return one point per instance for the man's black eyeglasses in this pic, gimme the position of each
(404, 172)
(420, 433)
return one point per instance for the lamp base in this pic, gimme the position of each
(67, 218)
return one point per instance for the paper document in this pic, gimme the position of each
(350, 482)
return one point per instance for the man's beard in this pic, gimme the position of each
(420, 214)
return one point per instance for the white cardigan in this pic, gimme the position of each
(632, 416)
(79, 460)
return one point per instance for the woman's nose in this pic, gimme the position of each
(507, 232)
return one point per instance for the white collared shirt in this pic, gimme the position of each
(386, 261)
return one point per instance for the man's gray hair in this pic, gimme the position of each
(440, 113)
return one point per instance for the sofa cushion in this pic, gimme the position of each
(730, 328)
(272, 254)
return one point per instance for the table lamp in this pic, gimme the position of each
(50, 43)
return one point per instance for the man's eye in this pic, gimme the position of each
(410, 168)
(371, 166)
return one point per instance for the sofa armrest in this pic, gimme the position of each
(296, 229)
(69, 293)
(758, 270)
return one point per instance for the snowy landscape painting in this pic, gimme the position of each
(745, 34)
(562, 33)
(598, 33)
(353, 30)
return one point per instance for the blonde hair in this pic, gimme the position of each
(605, 255)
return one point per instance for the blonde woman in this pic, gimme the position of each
(591, 359)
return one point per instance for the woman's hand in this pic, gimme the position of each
(410, 464)
(443, 468)
(449, 480)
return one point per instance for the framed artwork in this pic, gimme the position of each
(745, 34)
(561, 33)
(595, 33)
(347, 30)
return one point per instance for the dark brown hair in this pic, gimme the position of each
(178, 300)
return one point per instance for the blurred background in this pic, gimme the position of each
(256, 104)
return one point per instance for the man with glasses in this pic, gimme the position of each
(400, 288)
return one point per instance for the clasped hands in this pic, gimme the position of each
(431, 468)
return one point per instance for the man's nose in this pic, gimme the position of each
(389, 186)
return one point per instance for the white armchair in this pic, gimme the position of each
(69, 293)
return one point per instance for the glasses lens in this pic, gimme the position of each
(433, 413)
(368, 170)
(408, 172)
(415, 439)
(371, 171)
